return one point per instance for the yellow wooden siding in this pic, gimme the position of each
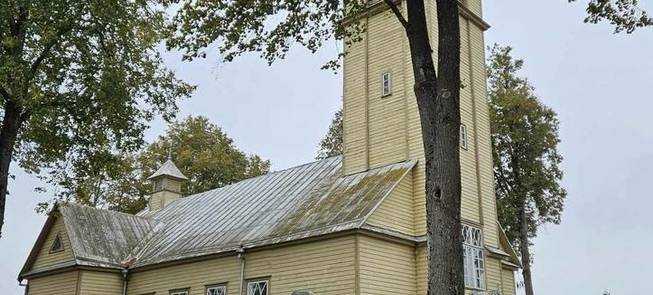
(44, 257)
(386, 267)
(492, 273)
(387, 137)
(421, 257)
(508, 277)
(355, 108)
(58, 284)
(100, 283)
(324, 267)
(396, 211)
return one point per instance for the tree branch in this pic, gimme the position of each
(46, 50)
(5, 94)
(395, 9)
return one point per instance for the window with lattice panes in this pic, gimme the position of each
(259, 287)
(216, 290)
(473, 257)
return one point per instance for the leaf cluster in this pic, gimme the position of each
(267, 27)
(624, 15)
(331, 144)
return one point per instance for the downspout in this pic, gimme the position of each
(24, 285)
(125, 274)
(241, 256)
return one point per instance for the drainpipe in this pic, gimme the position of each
(241, 256)
(125, 273)
(20, 283)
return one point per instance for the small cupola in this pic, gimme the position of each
(166, 185)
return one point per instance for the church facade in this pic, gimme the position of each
(352, 224)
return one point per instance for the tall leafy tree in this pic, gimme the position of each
(270, 28)
(77, 78)
(526, 158)
(200, 149)
(331, 144)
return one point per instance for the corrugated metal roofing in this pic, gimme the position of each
(305, 201)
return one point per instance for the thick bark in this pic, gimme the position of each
(524, 249)
(438, 100)
(9, 131)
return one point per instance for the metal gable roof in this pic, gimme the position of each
(304, 201)
(168, 169)
(308, 200)
(103, 237)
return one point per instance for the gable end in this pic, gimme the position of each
(52, 248)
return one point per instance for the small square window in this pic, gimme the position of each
(463, 136)
(216, 290)
(386, 84)
(179, 292)
(258, 287)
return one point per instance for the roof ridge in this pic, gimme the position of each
(83, 206)
(257, 177)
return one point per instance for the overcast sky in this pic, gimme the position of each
(598, 82)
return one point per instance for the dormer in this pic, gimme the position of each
(166, 185)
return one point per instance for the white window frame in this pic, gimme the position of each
(267, 286)
(474, 258)
(179, 292)
(216, 287)
(386, 78)
(464, 143)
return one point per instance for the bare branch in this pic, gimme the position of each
(395, 9)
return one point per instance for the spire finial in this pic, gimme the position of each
(170, 152)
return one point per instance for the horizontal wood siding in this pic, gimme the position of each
(508, 277)
(492, 273)
(324, 267)
(386, 267)
(396, 211)
(100, 283)
(58, 284)
(44, 257)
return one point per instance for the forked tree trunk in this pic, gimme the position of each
(524, 249)
(438, 100)
(8, 132)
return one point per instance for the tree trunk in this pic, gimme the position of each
(9, 131)
(524, 249)
(438, 100)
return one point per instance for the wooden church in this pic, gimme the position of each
(353, 224)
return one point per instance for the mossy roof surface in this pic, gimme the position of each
(304, 201)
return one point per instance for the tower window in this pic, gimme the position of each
(387, 84)
(463, 136)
